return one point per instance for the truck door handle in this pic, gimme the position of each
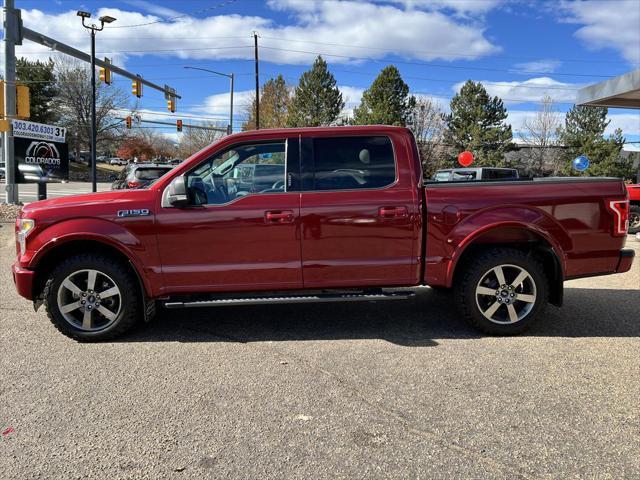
(393, 212)
(278, 216)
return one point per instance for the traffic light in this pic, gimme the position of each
(136, 87)
(23, 110)
(179, 125)
(128, 122)
(171, 105)
(105, 73)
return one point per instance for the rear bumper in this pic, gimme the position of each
(23, 279)
(626, 260)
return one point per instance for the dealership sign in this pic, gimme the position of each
(40, 151)
(38, 131)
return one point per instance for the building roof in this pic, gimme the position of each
(620, 92)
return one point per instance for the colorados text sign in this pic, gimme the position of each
(41, 161)
(38, 131)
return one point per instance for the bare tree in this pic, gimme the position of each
(540, 135)
(162, 146)
(194, 139)
(74, 100)
(428, 127)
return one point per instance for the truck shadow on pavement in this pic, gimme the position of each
(418, 322)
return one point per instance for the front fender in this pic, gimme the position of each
(90, 229)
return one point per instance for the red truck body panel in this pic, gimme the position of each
(634, 193)
(328, 239)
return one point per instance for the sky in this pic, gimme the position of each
(521, 50)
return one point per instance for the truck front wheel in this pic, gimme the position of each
(502, 291)
(92, 298)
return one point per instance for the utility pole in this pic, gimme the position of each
(11, 34)
(255, 41)
(231, 109)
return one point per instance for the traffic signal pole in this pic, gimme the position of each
(11, 37)
(94, 168)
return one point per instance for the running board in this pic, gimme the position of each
(319, 298)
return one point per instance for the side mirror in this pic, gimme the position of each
(178, 192)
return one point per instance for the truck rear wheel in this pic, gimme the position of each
(502, 291)
(634, 219)
(92, 298)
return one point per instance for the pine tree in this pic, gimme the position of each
(386, 101)
(476, 123)
(316, 100)
(274, 105)
(43, 88)
(583, 134)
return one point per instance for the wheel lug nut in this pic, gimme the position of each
(513, 294)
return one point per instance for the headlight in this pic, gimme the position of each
(23, 228)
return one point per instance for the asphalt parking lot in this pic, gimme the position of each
(387, 390)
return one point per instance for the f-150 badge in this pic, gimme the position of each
(137, 212)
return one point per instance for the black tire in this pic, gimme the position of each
(113, 273)
(509, 260)
(634, 218)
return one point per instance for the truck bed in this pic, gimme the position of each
(569, 213)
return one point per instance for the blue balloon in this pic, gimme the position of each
(581, 163)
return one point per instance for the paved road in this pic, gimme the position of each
(388, 390)
(29, 191)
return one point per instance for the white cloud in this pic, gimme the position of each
(384, 28)
(607, 25)
(539, 66)
(532, 90)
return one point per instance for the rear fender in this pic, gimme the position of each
(491, 226)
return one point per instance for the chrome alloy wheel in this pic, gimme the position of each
(506, 294)
(89, 300)
(634, 220)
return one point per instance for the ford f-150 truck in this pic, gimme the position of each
(315, 215)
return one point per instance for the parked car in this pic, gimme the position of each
(118, 161)
(476, 173)
(348, 218)
(102, 159)
(634, 208)
(138, 175)
(3, 173)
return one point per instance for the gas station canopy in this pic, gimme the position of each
(620, 92)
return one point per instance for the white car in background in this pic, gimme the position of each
(117, 161)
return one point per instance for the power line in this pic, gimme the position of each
(425, 64)
(214, 7)
(432, 52)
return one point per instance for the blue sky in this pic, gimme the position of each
(522, 50)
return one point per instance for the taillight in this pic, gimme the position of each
(620, 210)
(133, 184)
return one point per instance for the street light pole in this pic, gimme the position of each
(94, 28)
(231, 77)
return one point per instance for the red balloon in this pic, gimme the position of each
(465, 159)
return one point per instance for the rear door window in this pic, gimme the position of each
(150, 173)
(351, 163)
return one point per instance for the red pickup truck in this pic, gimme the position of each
(315, 215)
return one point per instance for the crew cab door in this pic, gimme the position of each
(359, 213)
(240, 230)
